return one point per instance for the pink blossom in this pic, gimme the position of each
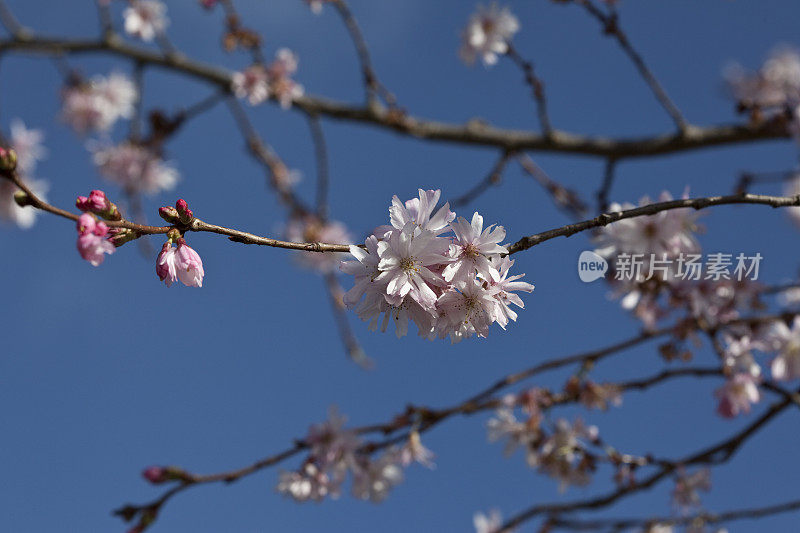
(251, 83)
(405, 258)
(310, 483)
(145, 19)
(488, 523)
(420, 212)
(414, 451)
(685, 494)
(92, 241)
(279, 73)
(374, 478)
(96, 202)
(97, 105)
(188, 265)
(786, 341)
(468, 308)
(737, 394)
(472, 249)
(135, 168)
(487, 34)
(28, 146)
(316, 5)
(23, 217)
(166, 268)
(507, 286)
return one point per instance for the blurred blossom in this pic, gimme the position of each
(96, 105)
(786, 341)
(145, 19)
(685, 494)
(737, 394)
(309, 228)
(135, 168)
(487, 34)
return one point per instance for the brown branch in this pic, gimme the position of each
(472, 133)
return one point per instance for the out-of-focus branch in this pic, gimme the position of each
(619, 524)
(537, 88)
(608, 182)
(565, 199)
(494, 177)
(352, 347)
(471, 133)
(715, 454)
(371, 84)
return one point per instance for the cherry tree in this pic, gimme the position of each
(436, 263)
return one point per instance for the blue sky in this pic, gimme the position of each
(105, 371)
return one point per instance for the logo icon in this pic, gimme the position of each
(591, 266)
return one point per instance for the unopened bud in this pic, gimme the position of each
(184, 212)
(8, 160)
(120, 236)
(169, 214)
(22, 199)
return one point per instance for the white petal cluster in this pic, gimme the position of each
(135, 168)
(445, 275)
(96, 105)
(145, 19)
(257, 83)
(27, 144)
(775, 85)
(487, 34)
(336, 451)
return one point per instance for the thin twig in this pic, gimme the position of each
(565, 198)
(537, 88)
(611, 27)
(694, 203)
(608, 182)
(494, 177)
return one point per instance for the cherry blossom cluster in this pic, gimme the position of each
(182, 262)
(136, 168)
(257, 83)
(712, 302)
(668, 238)
(96, 105)
(448, 276)
(559, 452)
(28, 151)
(95, 238)
(487, 34)
(336, 451)
(772, 88)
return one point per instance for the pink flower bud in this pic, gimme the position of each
(86, 224)
(155, 474)
(189, 266)
(165, 264)
(169, 214)
(8, 160)
(184, 212)
(208, 4)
